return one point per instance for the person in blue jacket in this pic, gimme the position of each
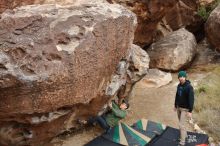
(184, 102)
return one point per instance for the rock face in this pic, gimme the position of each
(149, 13)
(157, 18)
(55, 62)
(129, 71)
(5, 4)
(205, 55)
(173, 52)
(212, 28)
(154, 79)
(185, 13)
(11, 4)
(182, 14)
(139, 63)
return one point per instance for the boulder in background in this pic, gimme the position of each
(173, 52)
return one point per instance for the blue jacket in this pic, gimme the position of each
(185, 96)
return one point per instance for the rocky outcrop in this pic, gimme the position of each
(182, 14)
(205, 55)
(186, 14)
(157, 18)
(173, 52)
(139, 63)
(154, 79)
(212, 28)
(149, 13)
(55, 62)
(129, 71)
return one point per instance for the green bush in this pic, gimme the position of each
(202, 89)
(207, 103)
(204, 11)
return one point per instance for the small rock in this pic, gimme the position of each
(211, 140)
(155, 78)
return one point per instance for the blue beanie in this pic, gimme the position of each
(182, 74)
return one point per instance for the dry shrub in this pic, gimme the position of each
(207, 104)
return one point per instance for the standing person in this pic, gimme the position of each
(111, 118)
(184, 102)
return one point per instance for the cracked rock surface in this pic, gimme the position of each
(55, 62)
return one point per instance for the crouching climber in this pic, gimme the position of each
(111, 118)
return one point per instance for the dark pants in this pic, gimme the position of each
(100, 120)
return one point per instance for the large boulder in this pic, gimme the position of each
(56, 63)
(212, 28)
(149, 14)
(173, 52)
